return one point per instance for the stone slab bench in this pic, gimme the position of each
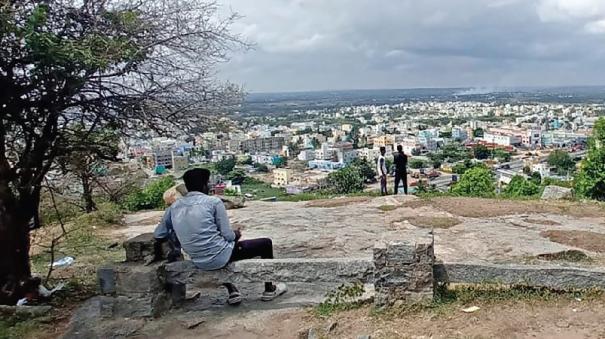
(553, 277)
(332, 270)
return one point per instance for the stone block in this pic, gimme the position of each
(556, 193)
(140, 248)
(146, 306)
(138, 279)
(106, 278)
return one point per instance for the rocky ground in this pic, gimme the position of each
(465, 229)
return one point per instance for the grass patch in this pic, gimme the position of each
(569, 255)
(387, 208)
(433, 222)
(344, 298)
(449, 299)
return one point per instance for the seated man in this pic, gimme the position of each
(201, 225)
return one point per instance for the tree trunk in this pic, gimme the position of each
(14, 250)
(89, 203)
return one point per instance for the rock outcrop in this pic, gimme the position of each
(556, 193)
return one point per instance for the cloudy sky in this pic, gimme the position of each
(371, 44)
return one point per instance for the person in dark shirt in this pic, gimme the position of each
(401, 169)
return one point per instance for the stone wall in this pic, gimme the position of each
(403, 272)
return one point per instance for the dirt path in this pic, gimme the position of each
(564, 319)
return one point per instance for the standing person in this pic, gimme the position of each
(201, 225)
(381, 169)
(401, 170)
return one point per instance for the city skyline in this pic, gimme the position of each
(338, 45)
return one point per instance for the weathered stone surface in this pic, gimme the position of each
(93, 320)
(146, 306)
(233, 203)
(284, 270)
(559, 278)
(106, 278)
(140, 248)
(403, 272)
(556, 193)
(131, 278)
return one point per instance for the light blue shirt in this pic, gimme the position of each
(202, 226)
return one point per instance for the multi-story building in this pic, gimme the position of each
(306, 155)
(262, 144)
(459, 134)
(282, 177)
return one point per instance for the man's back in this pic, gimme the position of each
(401, 162)
(202, 227)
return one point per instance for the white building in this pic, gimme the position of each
(306, 155)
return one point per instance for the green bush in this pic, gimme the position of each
(346, 180)
(150, 197)
(365, 169)
(107, 214)
(225, 166)
(590, 181)
(476, 182)
(521, 187)
(417, 163)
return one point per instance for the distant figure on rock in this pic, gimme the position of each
(381, 169)
(201, 225)
(401, 170)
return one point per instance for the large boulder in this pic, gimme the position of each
(556, 193)
(178, 191)
(174, 193)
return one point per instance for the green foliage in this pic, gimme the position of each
(590, 181)
(417, 163)
(556, 182)
(151, 197)
(562, 161)
(478, 133)
(451, 152)
(502, 155)
(345, 297)
(536, 178)
(346, 180)
(225, 166)
(461, 168)
(261, 168)
(237, 176)
(246, 161)
(521, 187)
(106, 214)
(476, 182)
(365, 169)
(481, 152)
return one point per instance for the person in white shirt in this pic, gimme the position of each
(381, 169)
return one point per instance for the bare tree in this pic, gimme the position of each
(73, 67)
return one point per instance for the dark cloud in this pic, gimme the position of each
(344, 44)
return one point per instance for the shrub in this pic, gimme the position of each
(521, 187)
(476, 182)
(590, 181)
(346, 180)
(417, 163)
(151, 197)
(225, 166)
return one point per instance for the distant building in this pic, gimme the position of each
(325, 165)
(270, 144)
(282, 177)
(306, 155)
(180, 163)
(459, 134)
